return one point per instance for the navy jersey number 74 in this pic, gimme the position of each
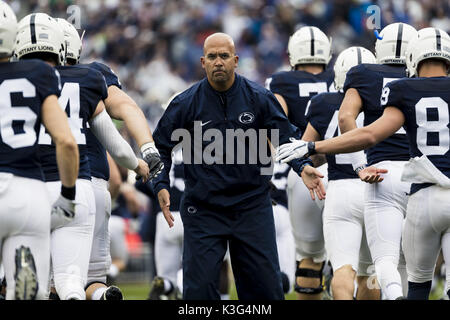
(82, 89)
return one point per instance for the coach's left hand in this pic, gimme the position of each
(164, 203)
(312, 178)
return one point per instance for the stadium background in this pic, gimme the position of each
(154, 46)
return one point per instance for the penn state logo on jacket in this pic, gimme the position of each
(246, 117)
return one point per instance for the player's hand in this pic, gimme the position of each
(151, 155)
(142, 170)
(312, 178)
(296, 149)
(63, 212)
(164, 203)
(372, 174)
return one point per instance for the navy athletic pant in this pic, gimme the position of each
(253, 251)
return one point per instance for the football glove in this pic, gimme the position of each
(63, 212)
(151, 155)
(296, 149)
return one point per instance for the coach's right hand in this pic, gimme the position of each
(164, 203)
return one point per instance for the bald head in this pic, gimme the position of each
(219, 39)
(219, 60)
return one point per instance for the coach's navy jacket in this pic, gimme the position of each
(245, 105)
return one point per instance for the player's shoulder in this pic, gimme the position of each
(31, 68)
(326, 101)
(431, 84)
(99, 66)
(83, 72)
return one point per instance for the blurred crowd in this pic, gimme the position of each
(154, 45)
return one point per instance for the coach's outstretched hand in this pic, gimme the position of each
(63, 212)
(371, 174)
(164, 203)
(312, 178)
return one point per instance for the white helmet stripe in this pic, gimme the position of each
(358, 52)
(398, 48)
(33, 28)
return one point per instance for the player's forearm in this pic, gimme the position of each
(120, 106)
(105, 131)
(68, 159)
(352, 141)
(137, 125)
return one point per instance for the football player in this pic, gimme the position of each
(343, 216)
(29, 93)
(309, 52)
(421, 106)
(83, 90)
(119, 106)
(385, 204)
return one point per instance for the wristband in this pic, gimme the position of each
(311, 148)
(308, 162)
(361, 167)
(68, 192)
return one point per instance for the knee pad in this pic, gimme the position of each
(309, 273)
(310, 249)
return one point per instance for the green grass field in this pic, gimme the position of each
(133, 291)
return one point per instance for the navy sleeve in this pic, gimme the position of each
(97, 91)
(277, 85)
(175, 117)
(47, 81)
(391, 95)
(315, 115)
(275, 118)
(353, 78)
(110, 77)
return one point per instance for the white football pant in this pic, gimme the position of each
(306, 218)
(384, 212)
(100, 257)
(285, 242)
(25, 221)
(427, 228)
(168, 247)
(343, 226)
(71, 244)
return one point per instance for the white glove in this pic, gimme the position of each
(296, 149)
(150, 154)
(63, 212)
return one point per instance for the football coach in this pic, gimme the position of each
(226, 203)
